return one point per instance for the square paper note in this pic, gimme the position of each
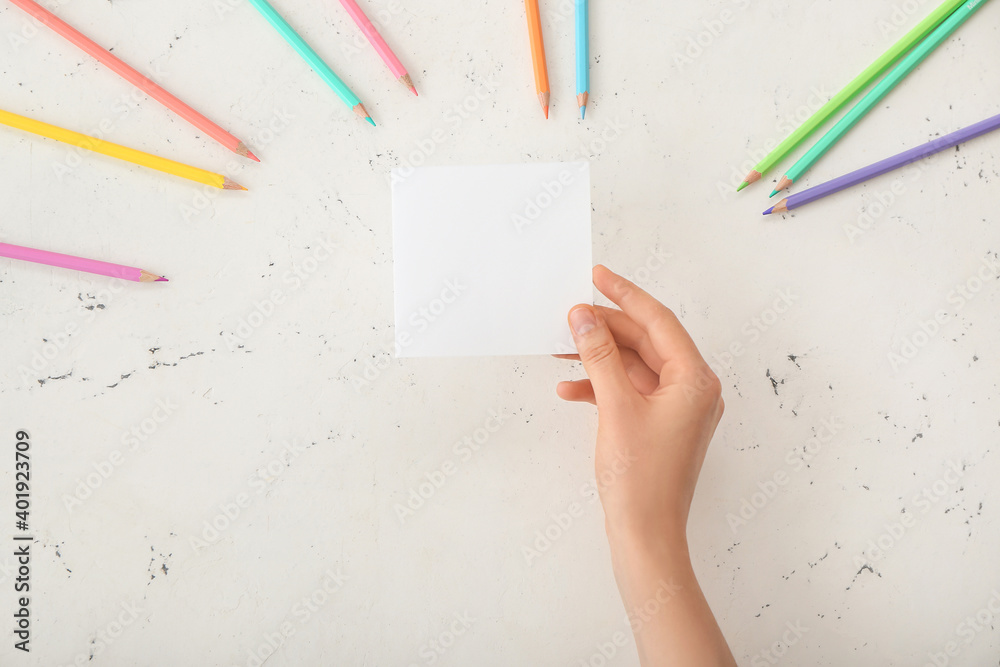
(489, 260)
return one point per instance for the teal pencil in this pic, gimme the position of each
(311, 57)
(582, 57)
(884, 87)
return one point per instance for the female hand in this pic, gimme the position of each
(658, 406)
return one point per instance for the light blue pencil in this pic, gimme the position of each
(311, 57)
(582, 57)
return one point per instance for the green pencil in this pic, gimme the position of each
(875, 95)
(860, 82)
(311, 57)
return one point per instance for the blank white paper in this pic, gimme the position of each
(488, 260)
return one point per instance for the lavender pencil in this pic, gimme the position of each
(886, 165)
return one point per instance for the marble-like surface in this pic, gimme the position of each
(256, 467)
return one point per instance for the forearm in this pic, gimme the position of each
(671, 620)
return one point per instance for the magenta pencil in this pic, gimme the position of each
(371, 32)
(78, 264)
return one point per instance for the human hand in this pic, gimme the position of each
(658, 406)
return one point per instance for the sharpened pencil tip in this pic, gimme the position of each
(543, 100)
(583, 113)
(408, 82)
(161, 279)
(773, 192)
(252, 156)
(230, 184)
(369, 119)
(742, 185)
(768, 211)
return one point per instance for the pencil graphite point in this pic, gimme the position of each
(752, 177)
(408, 82)
(147, 277)
(241, 149)
(581, 101)
(768, 211)
(742, 185)
(361, 111)
(230, 184)
(773, 192)
(782, 184)
(543, 98)
(583, 113)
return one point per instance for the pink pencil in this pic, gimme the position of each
(371, 32)
(78, 264)
(128, 73)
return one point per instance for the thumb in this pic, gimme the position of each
(599, 354)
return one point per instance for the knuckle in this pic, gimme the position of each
(664, 318)
(705, 382)
(601, 352)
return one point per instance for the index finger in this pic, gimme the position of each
(669, 337)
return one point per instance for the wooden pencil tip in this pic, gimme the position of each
(752, 177)
(361, 111)
(582, 99)
(543, 99)
(241, 149)
(408, 82)
(782, 184)
(147, 277)
(230, 184)
(781, 206)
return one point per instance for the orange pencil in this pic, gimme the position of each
(538, 53)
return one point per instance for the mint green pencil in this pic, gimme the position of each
(311, 57)
(868, 102)
(851, 90)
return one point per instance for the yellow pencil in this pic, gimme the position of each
(120, 152)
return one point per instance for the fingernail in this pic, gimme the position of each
(582, 320)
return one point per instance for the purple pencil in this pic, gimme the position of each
(886, 165)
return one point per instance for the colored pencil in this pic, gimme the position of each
(310, 56)
(79, 264)
(120, 152)
(851, 90)
(371, 32)
(128, 73)
(582, 57)
(875, 95)
(538, 53)
(886, 165)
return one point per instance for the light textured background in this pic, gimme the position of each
(314, 386)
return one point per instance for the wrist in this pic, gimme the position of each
(647, 553)
(663, 538)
